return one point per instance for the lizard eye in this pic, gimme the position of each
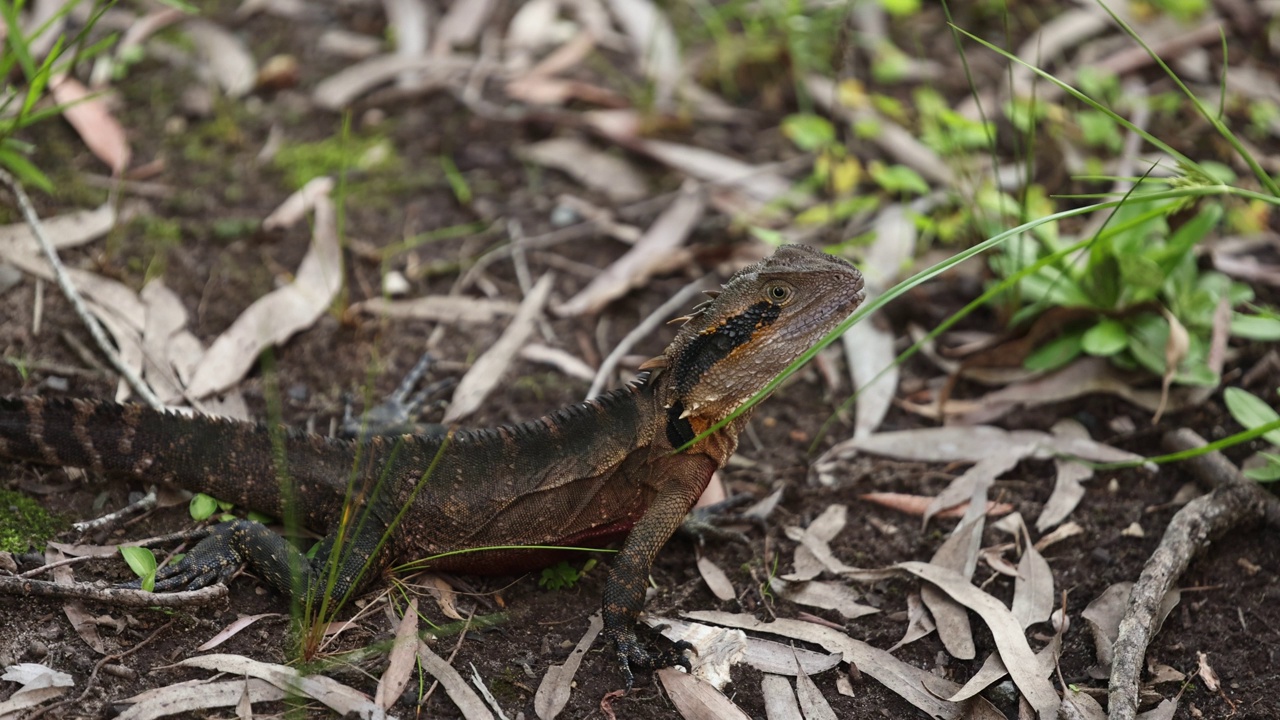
(778, 293)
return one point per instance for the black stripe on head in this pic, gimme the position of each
(679, 430)
(709, 348)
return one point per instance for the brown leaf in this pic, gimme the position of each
(231, 630)
(332, 693)
(779, 699)
(918, 504)
(225, 55)
(603, 172)
(93, 122)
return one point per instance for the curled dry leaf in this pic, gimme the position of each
(919, 622)
(276, 316)
(763, 655)
(93, 121)
(812, 703)
(1067, 488)
(489, 368)
(821, 531)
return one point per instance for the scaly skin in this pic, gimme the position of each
(581, 476)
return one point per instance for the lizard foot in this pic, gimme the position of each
(213, 560)
(704, 523)
(632, 654)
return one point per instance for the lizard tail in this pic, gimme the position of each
(234, 461)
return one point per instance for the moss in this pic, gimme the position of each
(366, 157)
(24, 523)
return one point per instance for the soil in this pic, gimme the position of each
(202, 237)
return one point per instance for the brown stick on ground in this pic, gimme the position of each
(1234, 501)
(118, 597)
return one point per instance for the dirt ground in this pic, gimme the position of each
(202, 235)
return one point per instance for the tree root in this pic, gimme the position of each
(1235, 501)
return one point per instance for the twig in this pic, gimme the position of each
(110, 520)
(93, 676)
(73, 295)
(1234, 501)
(117, 597)
(656, 318)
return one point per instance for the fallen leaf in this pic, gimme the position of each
(1206, 672)
(654, 41)
(1033, 599)
(276, 316)
(658, 250)
(487, 371)
(93, 121)
(919, 622)
(812, 703)
(556, 686)
(1005, 630)
(468, 702)
(225, 55)
(193, 696)
(1067, 488)
(440, 308)
(342, 88)
(327, 691)
(400, 660)
(231, 630)
(779, 700)
(603, 172)
(918, 504)
(715, 579)
(67, 230)
(825, 595)
(696, 699)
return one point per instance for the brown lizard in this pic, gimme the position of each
(613, 466)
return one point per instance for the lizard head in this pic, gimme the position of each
(758, 324)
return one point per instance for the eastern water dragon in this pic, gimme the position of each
(616, 466)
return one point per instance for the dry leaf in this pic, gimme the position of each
(603, 172)
(472, 707)
(821, 531)
(327, 691)
(907, 681)
(654, 41)
(488, 369)
(696, 699)
(779, 700)
(825, 595)
(400, 660)
(918, 504)
(559, 359)
(1033, 599)
(67, 230)
(440, 308)
(659, 250)
(93, 122)
(715, 579)
(1080, 706)
(344, 87)
(1207, 673)
(556, 686)
(812, 703)
(231, 630)
(1005, 630)
(196, 695)
(276, 316)
(715, 649)
(919, 622)
(225, 55)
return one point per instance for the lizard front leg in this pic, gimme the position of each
(624, 590)
(278, 562)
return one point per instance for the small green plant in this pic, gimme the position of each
(1253, 412)
(562, 575)
(24, 523)
(143, 564)
(18, 102)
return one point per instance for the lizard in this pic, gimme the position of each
(627, 464)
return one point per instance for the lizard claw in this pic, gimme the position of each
(632, 654)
